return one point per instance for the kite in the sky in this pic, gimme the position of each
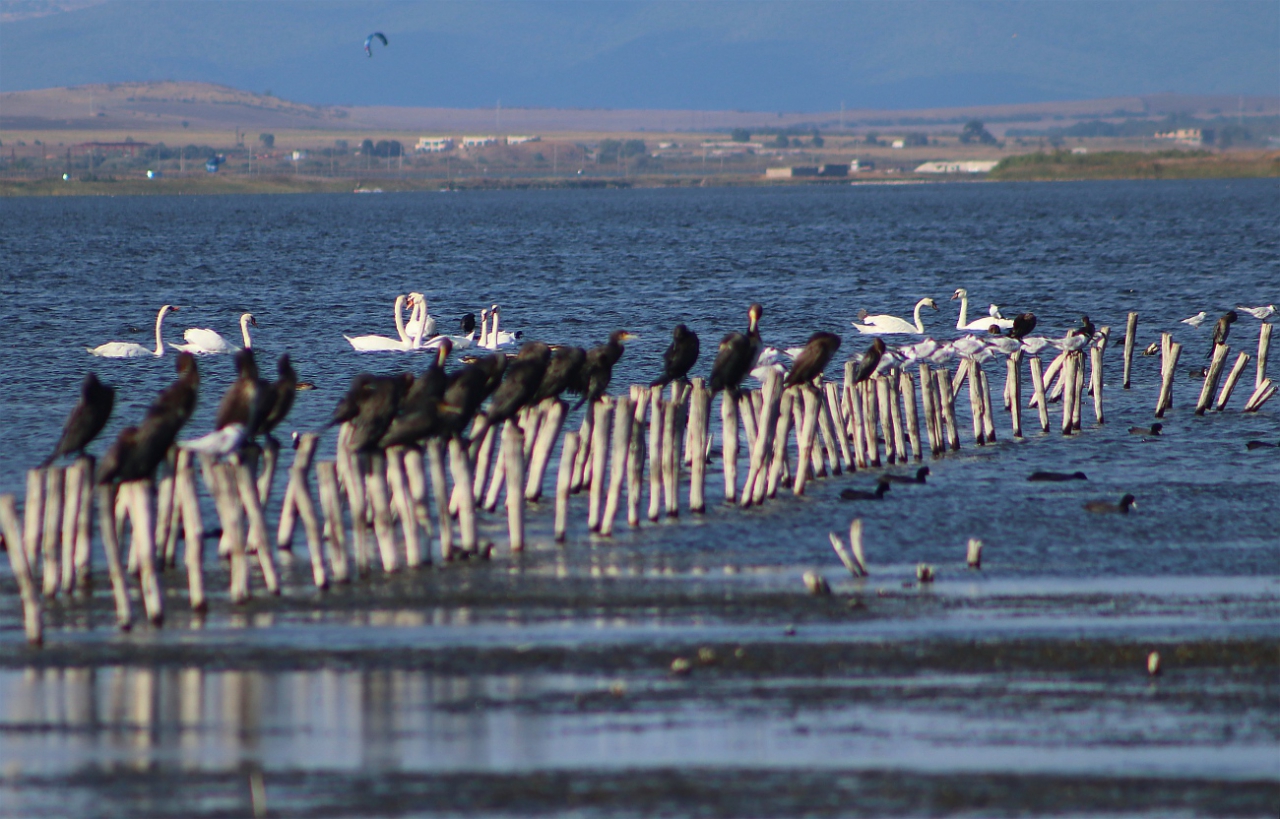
(368, 42)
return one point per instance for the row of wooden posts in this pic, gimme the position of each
(837, 427)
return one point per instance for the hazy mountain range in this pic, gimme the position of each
(761, 56)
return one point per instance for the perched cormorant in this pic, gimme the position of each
(597, 369)
(813, 359)
(377, 409)
(1221, 330)
(1023, 324)
(349, 404)
(283, 390)
(467, 389)
(737, 354)
(870, 360)
(1085, 329)
(137, 451)
(1057, 477)
(524, 377)
(857, 494)
(679, 357)
(1107, 507)
(86, 420)
(242, 402)
(420, 407)
(563, 373)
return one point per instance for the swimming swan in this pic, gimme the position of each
(202, 340)
(128, 349)
(978, 324)
(373, 343)
(420, 320)
(890, 325)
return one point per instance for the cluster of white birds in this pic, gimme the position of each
(1260, 313)
(198, 340)
(421, 332)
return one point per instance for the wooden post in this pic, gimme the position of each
(635, 454)
(33, 517)
(70, 525)
(164, 517)
(1130, 331)
(1264, 343)
(1264, 391)
(771, 404)
(869, 418)
(988, 417)
(729, 441)
(498, 480)
(884, 412)
(1223, 397)
(657, 461)
(1220, 353)
(461, 468)
(749, 416)
(138, 500)
(1037, 387)
(288, 510)
(1169, 363)
(483, 457)
(1068, 395)
(440, 490)
(186, 505)
(513, 445)
(257, 540)
(84, 523)
(780, 439)
(895, 418)
(946, 398)
(670, 454)
(807, 433)
(13, 537)
(601, 411)
(618, 454)
(111, 547)
(975, 399)
(911, 418)
(270, 455)
(564, 480)
(331, 506)
(699, 412)
(930, 414)
(833, 415)
(403, 504)
(1014, 380)
(584, 446)
(52, 527)
(357, 501)
(415, 471)
(553, 414)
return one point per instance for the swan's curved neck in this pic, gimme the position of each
(404, 337)
(493, 333)
(418, 319)
(919, 323)
(961, 322)
(244, 332)
(159, 325)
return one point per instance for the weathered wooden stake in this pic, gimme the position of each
(618, 454)
(601, 412)
(52, 527)
(186, 504)
(1014, 381)
(771, 404)
(584, 447)
(13, 537)
(513, 446)
(483, 457)
(1068, 395)
(33, 517)
(1236, 371)
(1264, 391)
(806, 436)
(946, 399)
(657, 459)
(257, 539)
(729, 443)
(1220, 353)
(699, 412)
(553, 413)
(975, 400)
(1169, 364)
(331, 506)
(302, 459)
(988, 417)
(834, 416)
(460, 466)
(930, 415)
(1264, 344)
(70, 521)
(568, 455)
(403, 504)
(440, 490)
(1037, 397)
(1130, 333)
(671, 441)
(635, 454)
(869, 419)
(111, 547)
(139, 504)
(84, 524)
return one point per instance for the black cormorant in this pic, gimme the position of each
(813, 359)
(87, 418)
(737, 354)
(679, 357)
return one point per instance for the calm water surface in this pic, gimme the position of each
(1196, 561)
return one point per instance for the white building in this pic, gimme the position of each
(970, 166)
(520, 140)
(434, 145)
(298, 156)
(478, 141)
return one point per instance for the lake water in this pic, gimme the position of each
(541, 684)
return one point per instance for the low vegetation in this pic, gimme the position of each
(1171, 164)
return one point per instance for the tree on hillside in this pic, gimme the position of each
(974, 131)
(817, 139)
(740, 135)
(781, 141)
(267, 140)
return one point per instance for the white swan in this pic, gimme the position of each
(978, 324)
(492, 339)
(891, 325)
(128, 349)
(468, 324)
(420, 320)
(374, 343)
(202, 340)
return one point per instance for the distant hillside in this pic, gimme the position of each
(172, 106)
(767, 55)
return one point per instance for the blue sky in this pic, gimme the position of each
(712, 54)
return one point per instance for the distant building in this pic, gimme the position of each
(298, 156)
(899, 143)
(1079, 150)
(798, 171)
(520, 140)
(478, 141)
(861, 165)
(971, 166)
(433, 145)
(108, 148)
(1189, 136)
